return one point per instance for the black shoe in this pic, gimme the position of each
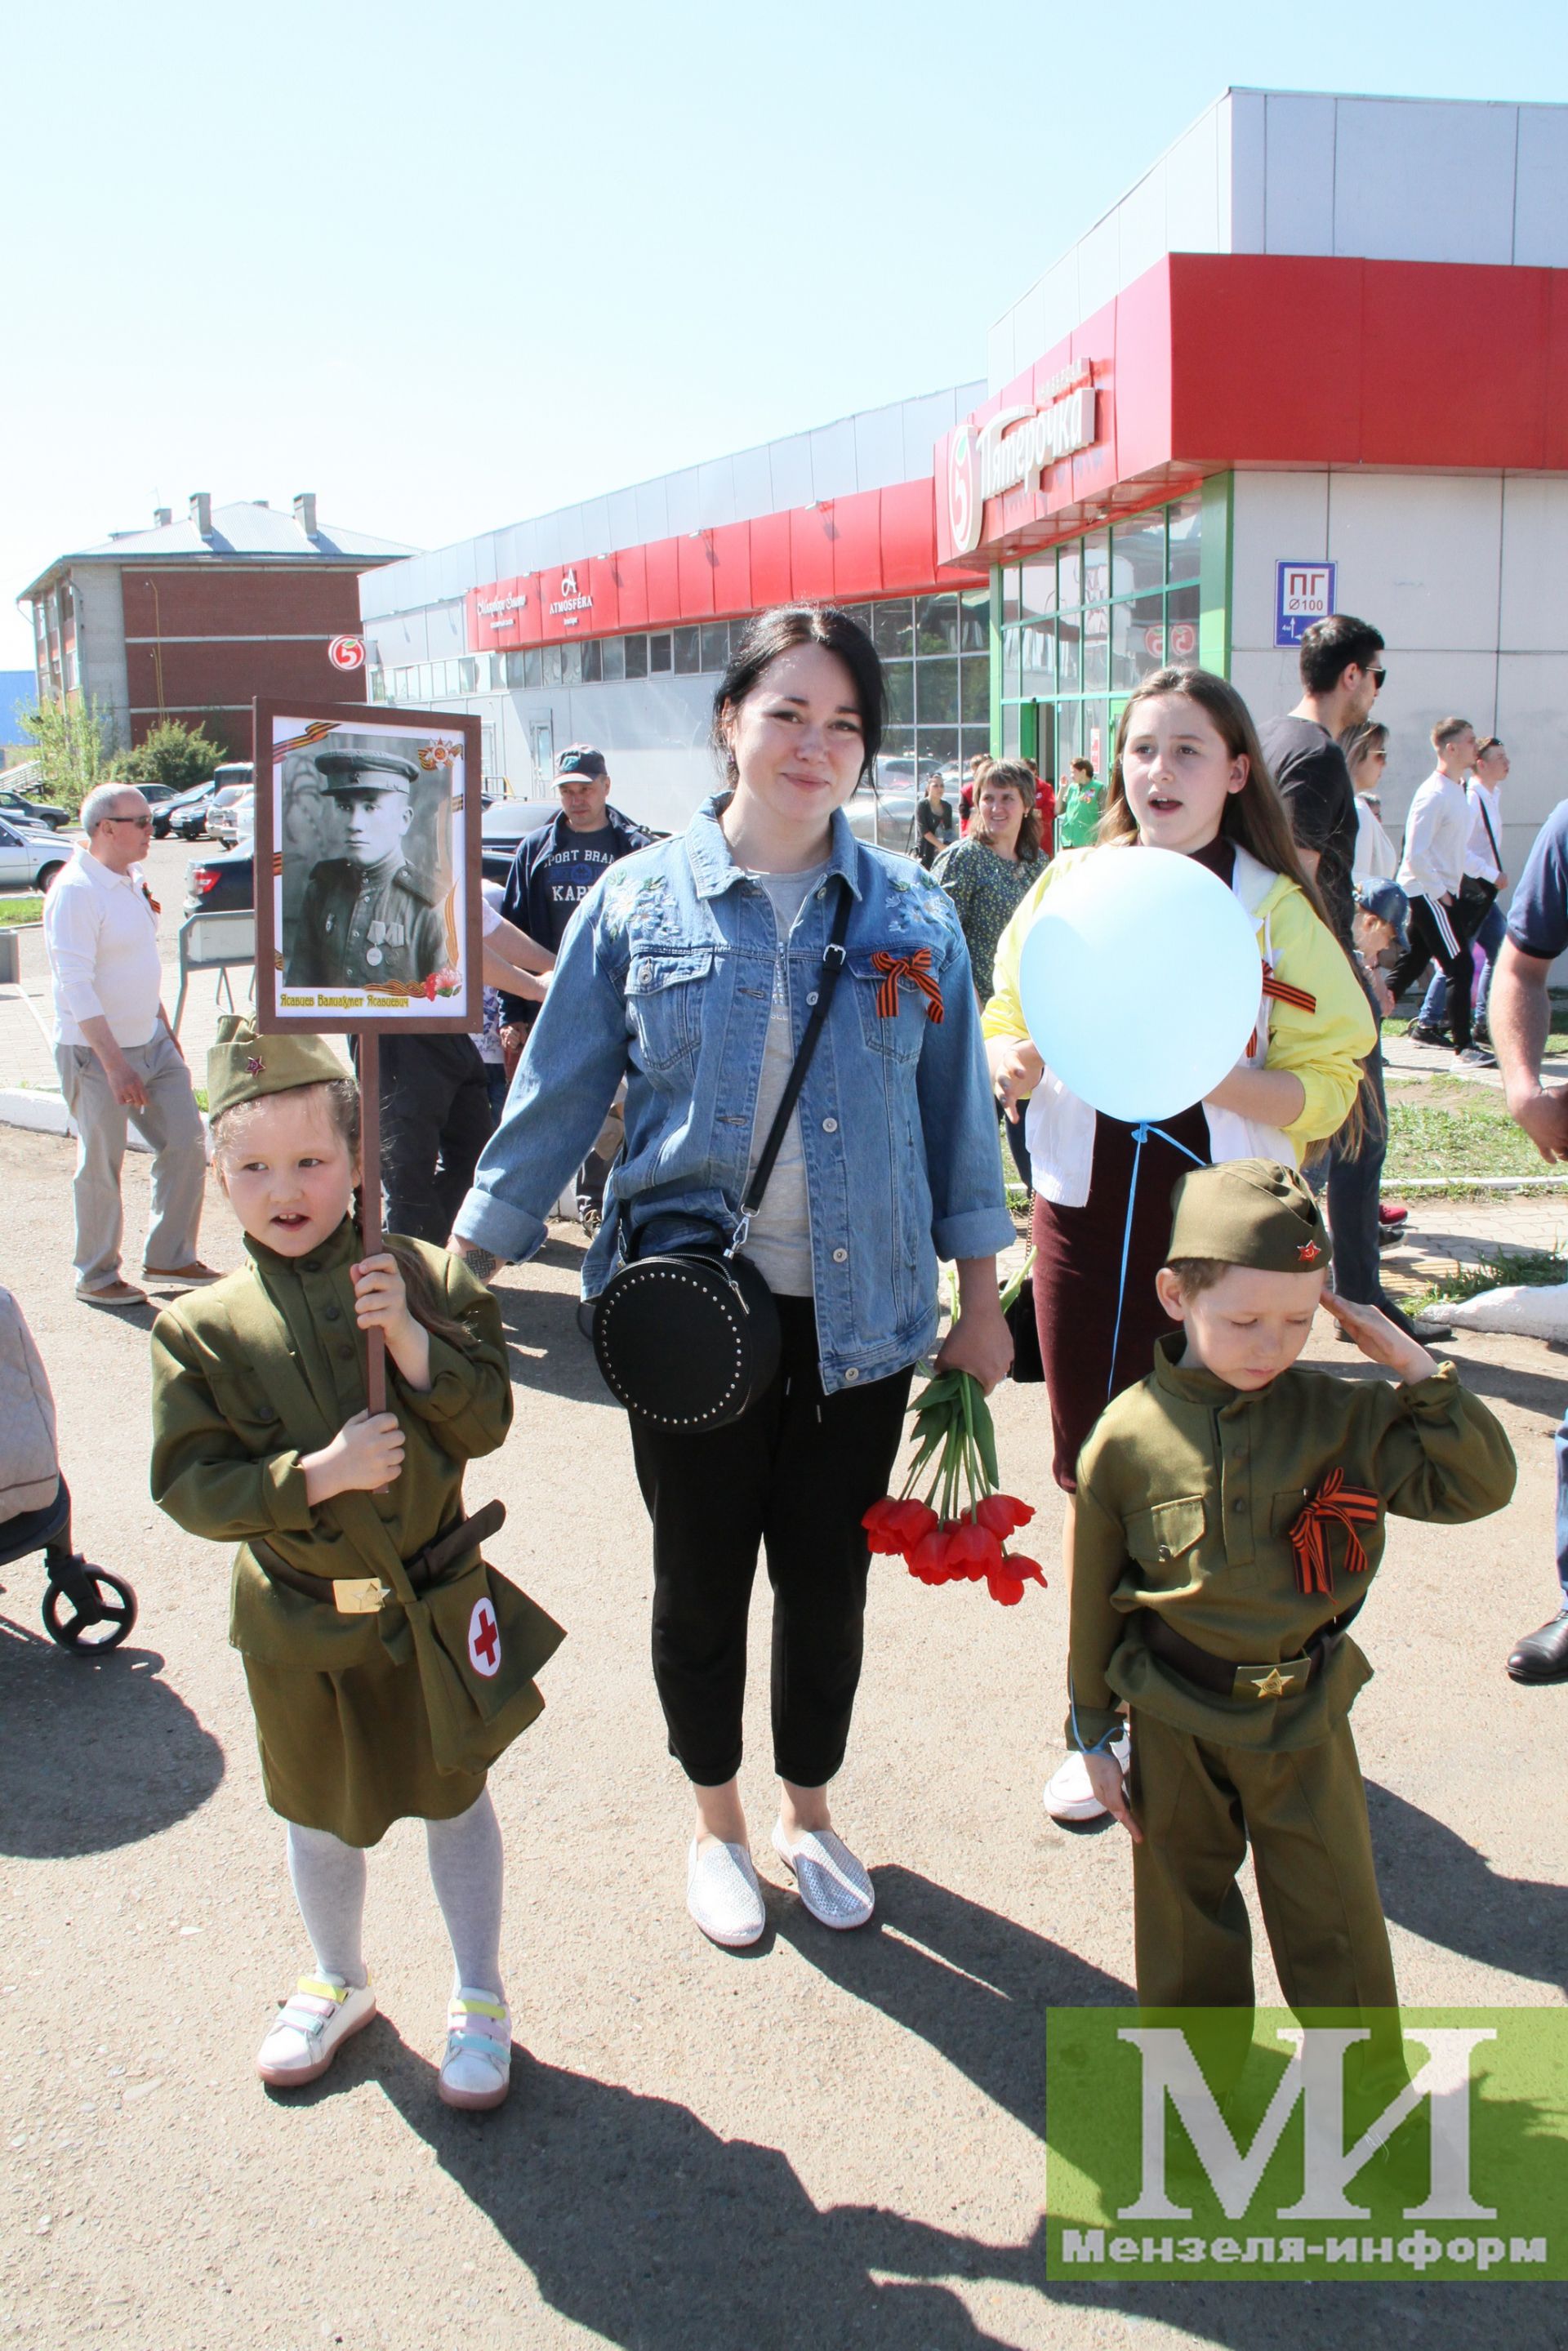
(1421, 1032)
(1476, 1057)
(1542, 1657)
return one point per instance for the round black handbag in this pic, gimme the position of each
(690, 1337)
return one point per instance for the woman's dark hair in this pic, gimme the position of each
(1011, 776)
(779, 631)
(339, 1098)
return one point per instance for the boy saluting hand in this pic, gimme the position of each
(1232, 1514)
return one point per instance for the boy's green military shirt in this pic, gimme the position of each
(1186, 1492)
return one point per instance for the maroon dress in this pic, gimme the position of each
(1078, 1262)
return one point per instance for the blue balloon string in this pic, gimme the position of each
(1141, 1135)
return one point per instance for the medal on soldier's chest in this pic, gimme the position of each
(377, 932)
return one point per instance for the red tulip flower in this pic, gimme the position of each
(973, 1551)
(897, 1526)
(928, 1559)
(1001, 1513)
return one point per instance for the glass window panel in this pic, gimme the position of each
(1137, 641)
(975, 690)
(936, 747)
(534, 669)
(860, 615)
(1045, 743)
(900, 677)
(593, 659)
(936, 624)
(572, 664)
(636, 656)
(1011, 591)
(893, 631)
(1185, 533)
(1012, 642)
(554, 657)
(1139, 554)
(378, 685)
(1039, 662)
(468, 676)
(1069, 715)
(936, 687)
(1038, 590)
(897, 743)
(1096, 652)
(1095, 736)
(612, 656)
(1010, 730)
(1097, 567)
(512, 665)
(688, 652)
(716, 645)
(974, 742)
(659, 653)
(1181, 624)
(1069, 574)
(975, 620)
(1068, 653)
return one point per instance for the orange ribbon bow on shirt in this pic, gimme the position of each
(1334, 1501)
(916, 968)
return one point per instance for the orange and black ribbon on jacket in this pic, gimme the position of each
(1333, 1504)
(916, 969)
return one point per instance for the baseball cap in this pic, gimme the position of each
(1386, 902)
(579, 759)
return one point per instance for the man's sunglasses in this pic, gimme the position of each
(144, 822)
(1379, 678)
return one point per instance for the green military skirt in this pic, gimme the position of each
(350, 1751)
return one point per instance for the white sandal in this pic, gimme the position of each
(477, 2071)
(312, 2024)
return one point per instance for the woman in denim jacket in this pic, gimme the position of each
(688, 970)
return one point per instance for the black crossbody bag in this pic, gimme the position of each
(690, 1338)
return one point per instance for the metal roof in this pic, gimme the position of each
(248, 528)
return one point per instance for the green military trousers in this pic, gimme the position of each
(1303, 1811)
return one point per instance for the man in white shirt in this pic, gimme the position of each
(1481, 917)
(116, 1056)
(1431, 875)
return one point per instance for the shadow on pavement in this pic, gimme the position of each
(1444, 1891)
(94, 1753)
(545, 1349)
(1542, 1392)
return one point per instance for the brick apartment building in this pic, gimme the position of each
(191, 619)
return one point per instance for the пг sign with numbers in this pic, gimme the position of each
(1304, 592)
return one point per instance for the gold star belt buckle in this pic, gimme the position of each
(1271, 1681)
(358, 1595)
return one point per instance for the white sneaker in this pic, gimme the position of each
(723, 1895)
(1068, 1796)
(831, 1883)
(314, 2021)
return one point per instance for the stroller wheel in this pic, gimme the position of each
(90, 1609)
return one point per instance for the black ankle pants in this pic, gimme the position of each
(793, 1476)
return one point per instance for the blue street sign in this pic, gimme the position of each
(1304, 593)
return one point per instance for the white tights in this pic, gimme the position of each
(465, 1867)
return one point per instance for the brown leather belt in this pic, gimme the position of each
(1289, 1679)
(358, 1595)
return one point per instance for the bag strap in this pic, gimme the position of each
(1486, 820)
(833, 964)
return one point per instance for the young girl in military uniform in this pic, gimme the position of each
(261, 1435)
(1232, 1514)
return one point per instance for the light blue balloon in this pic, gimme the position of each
(1140, 981)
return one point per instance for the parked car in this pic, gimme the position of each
(30, 858)
(185, 815)
(220, 883)
(502, 826)
(231, 817)
(24, 811)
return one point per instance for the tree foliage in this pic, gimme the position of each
(171, 754)
(73, 742)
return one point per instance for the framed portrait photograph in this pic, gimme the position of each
(367, 864)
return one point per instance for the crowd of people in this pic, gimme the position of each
(658, 1010)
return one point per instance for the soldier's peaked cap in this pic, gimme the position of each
(1252, 1212)
(365, 771)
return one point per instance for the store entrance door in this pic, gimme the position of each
(541, 752)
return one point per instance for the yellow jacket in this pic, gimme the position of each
(1323, 1048)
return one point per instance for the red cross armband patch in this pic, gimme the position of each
(483, 1639)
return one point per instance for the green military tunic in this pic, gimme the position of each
(1186, 1492)
(367, 926)
(268, 1364)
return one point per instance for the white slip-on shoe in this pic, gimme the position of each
(314, 2021)
(477, 2071)
(830, 1882)
(723, 1895)
(1068, 1796)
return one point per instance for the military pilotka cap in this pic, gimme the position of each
(243, 1066)
(365, 771)
(1252, 1212)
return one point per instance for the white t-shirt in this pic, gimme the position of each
(779, 1241)
(1479, 862)
(1376, 858)
(100, 936)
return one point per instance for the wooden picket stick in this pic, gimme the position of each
(371, 1202)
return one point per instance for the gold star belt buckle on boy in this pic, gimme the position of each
(359, 1595)
(1286, 1681)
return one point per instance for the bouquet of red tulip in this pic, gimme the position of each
(947, 1537)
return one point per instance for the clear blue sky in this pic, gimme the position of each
(451, 266)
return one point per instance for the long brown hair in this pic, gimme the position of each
(1255, 817)
(340, 1097)
(1013, 777)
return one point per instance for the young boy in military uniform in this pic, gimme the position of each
(1230, 1517)
(369, 919)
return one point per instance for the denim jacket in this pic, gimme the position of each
(666, 976)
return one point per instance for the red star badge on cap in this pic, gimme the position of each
(1308, 1250)
(255, 1065)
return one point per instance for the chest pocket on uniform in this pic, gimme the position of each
(898, 1035)
(664, 989)
(1159, 1537)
